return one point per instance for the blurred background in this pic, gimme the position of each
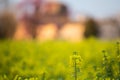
(67, 20)
(38, 37)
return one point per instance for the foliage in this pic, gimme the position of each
(7, 25)
(91, 28)
(32, 60)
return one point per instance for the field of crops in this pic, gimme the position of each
(51, 60)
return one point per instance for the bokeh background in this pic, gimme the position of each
(60, 19)
(38, 38)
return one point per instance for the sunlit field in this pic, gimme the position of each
(59, 40)
(32, 60)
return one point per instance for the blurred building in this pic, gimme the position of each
(21, 32)
(44, 22)
(109, 29)
(50, 20)
(54, 12)
(47, 32)
(72, 31)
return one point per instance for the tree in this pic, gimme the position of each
(91, 28)
(7, 25)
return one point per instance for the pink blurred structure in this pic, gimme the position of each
(51, 21)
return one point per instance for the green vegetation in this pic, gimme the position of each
(32, 60)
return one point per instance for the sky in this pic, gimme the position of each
(95, 8)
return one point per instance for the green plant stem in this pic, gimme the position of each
(75, 74)
(118, 52)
